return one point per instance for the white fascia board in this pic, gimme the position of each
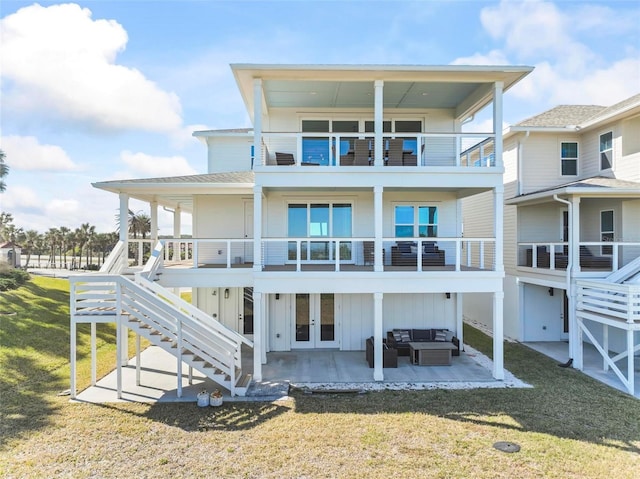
(175, 188)
(588, 192)
(615, 115)
(215, 133)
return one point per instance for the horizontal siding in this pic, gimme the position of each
(229, 154)
(541, 166)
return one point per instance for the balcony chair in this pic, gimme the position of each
(285, 158)
(361, 156)
(395, 152)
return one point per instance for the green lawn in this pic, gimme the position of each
(568, 425)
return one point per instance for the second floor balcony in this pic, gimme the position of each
(337, 255)
(347, 150)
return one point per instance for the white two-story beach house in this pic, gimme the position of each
(571, 232)
(336, 218)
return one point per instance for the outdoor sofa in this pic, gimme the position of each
(400, 338)
(405, 253)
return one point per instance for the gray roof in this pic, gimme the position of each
(563, 115)
(572, 115)
(237, 177)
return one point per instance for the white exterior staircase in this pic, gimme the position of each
(160, 316)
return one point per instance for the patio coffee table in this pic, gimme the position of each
(434, 353)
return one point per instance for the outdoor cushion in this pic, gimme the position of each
(405, 246)
(429, 247)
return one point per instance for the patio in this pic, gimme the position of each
(314, 370)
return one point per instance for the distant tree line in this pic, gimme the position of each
(65, 248)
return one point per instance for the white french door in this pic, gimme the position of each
(314, 324)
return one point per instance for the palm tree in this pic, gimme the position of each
(52, 240)
(4, 171)
(64, 242)
(30, 243)
(6, 220)
(139, 224)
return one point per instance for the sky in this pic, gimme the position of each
(102, 90)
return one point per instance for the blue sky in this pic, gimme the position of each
(101, 90)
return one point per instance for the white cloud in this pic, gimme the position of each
(26, 153)
(21, 198)
(566, 70)
(141, 164)
(60, 61)
(184, 136)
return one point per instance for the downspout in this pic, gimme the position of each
(569, 267)
(519, 166)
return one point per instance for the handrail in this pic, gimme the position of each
(113, 263)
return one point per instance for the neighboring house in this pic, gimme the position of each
(336, 218)
(571, 232)
(10, 254)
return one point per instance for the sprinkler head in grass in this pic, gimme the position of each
(506, 446)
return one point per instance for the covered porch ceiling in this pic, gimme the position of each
(464, 89)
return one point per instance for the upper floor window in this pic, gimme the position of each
(606, 151)
(416, 221)
(569, 158)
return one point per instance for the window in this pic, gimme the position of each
(606, 230)
(569, 158)
(414, 220)
(319, 220)
(315, 150)
(606, 151)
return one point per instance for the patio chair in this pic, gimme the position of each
(285, 158)
(395, 152)
(361, 153)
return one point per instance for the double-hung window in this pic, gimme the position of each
(606, 151)
(606, 230)
(319, 220)
(569, 158)
(416, 221)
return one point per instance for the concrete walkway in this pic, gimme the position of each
(312, 370)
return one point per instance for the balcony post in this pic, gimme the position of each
(378, 258)
(257, 335)
(497, 121)
(378, 142)
(498, 335)
(257, 228)
(124, 228)
(177, 226)
(575, 342)
(498, 206)
(378, 374)
(257, 121)
(153, 206)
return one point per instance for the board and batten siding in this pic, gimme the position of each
(228, 154)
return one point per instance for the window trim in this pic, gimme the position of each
(600, 151)
(576, 159)
(416, 218)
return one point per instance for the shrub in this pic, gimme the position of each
(12, 278)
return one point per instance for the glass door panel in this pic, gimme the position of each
(327, 318)
(302, 320)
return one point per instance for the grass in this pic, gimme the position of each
(568, 425)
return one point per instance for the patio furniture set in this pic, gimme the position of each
(587, 259)
(424, 347)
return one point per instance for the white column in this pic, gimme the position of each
(498, 226)
(124, 228)
(153, 206)
(72, 354)
(498, 336)
(575, 335)
(257, 121)
(257, 335)
(257, 228)
(497, 121)
(459, 320)
(378, 374)
(377, 226)
(377, 119)
(630, 362)
(177, 217)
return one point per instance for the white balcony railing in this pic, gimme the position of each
(419, 149)
(594, 255)
(334, 254)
